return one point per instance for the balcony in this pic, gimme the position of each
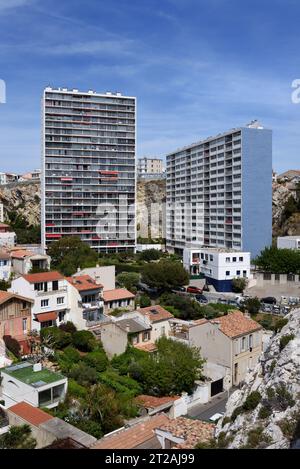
(52, 292)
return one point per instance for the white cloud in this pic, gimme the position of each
(92, 47)
(6, 5)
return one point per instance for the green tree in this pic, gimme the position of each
(239, 284)
(128, 280)
(279, 261)
(174, 368)
(144, 301)
(252, 305)
(18, 438)
(165, 274)
(4, 285)
(69, 253)
(102, 405)
(150, 255)
(84, 341)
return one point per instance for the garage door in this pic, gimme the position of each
(216, 387)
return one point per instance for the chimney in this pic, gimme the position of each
(78, 270)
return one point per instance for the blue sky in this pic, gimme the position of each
(197, 67)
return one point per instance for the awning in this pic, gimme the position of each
(45, 317)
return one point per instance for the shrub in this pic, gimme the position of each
(252, 401)
(225, 421)
(59, 338)
(144, 301)
(71, 354)
(68, 327)
(257, 438)
(272, 366)
(12, 345)
(97, 360)
(76, 390)
(239, 284)
(284, 397)
(237, 411)
(88, 426)
(285, 340)
(280, 324)
(84, 341)
(83, 374)
(265, 412)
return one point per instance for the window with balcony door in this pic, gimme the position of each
(60, 300)
(44, 303)
(243, 344)
(24, 325)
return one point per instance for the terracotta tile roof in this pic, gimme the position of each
(132, 437)
(21, 254)
(84, 283)
(117, 294)
(5, 296)
(192, 431)
(156, 313)
(151, 402)
(30, 414)
(199, 322)
(146, 347)
(236, 324)
(3, 225)
(43, 277)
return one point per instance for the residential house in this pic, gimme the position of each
(33, 384)
(119, 298)
(85, 301)
(49, 290)
(103, 275)
(158, 432)
(5, 265)
(159, 319)
(116, 333)
(24, 261)
(7, 237)
(233, 341)
(15, 317)
(184, 433)
(139, 435)
(45, 428)
(218, 266)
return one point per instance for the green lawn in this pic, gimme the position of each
(28, 376)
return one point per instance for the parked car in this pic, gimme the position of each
(222, 301)
(202, 299)
(147, 289)
(214, 418)
(233, 303)
(194, 290)
(270, 300)
(180, 289)
(267, 308)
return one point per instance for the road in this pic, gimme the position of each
(205, 411)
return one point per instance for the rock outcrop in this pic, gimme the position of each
(24, 198)
(151, 199)
(265, 412)
(285, 224)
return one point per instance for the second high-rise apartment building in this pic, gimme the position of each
(89, 168)
(219, 192)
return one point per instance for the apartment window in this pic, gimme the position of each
(44, 303)
(251, 341)
(227, 273)
(24, 325)
(55, 285)
(146, 336)
(211, 258)
(238, 272)
(227, 259)
(243, 343)
(61, 316)
(241, 259)
(234, 259)
(244, 273)
(61, 300)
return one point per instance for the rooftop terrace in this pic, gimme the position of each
(24, 372)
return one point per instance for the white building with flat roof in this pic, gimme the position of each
(288, 242)
(219, 192)
(219, 266)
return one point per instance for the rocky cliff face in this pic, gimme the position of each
(265, 413)
(151, 195)
(285, 223)
(24, 199)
